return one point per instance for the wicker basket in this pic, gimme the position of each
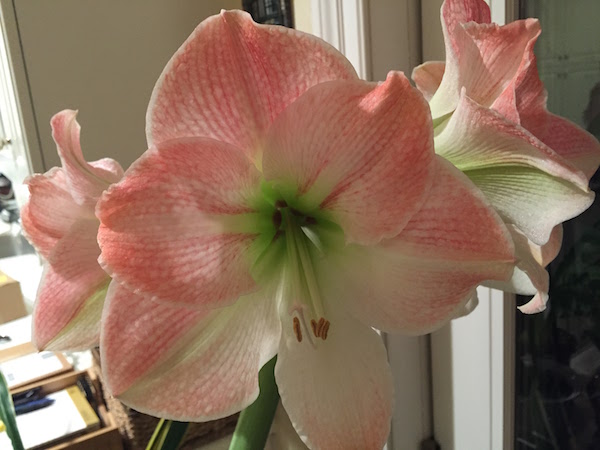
(137, 428)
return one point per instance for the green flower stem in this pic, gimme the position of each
(7, 415)
(255, 421)
(167, 435)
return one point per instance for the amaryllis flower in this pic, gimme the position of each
(489, 108)
(261, 222)
(59, 220)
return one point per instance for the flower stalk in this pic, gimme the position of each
(255, 421)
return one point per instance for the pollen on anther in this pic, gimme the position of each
(325, 330)
(320, 325)
(313, 324)
(297, 329)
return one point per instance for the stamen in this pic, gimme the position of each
(320, 326)
(297, 329)
(313, 324)
(325, 330)
(280, 204)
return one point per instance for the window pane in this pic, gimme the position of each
(557, 404)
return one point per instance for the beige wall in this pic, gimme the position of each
(102, 58)
(433, 39)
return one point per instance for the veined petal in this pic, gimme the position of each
(487, 57)
(573, 143)
(86, 181)
(524, 102)
(339, 395)
(524, 99)
(428, 77)
(525, 180)
(72, 280)
(531, 199)
(530, 276)
(232, 77)
(419, 280)
(367, 161)
(165, 227)
(182, 364)
(456, 12)
(51, 211)
(478, 137)
(82, 332)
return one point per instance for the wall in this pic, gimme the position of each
(102, 58)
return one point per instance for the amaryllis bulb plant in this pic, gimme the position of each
(286, 208)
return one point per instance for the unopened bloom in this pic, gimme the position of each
(489, 108)
(267, 220)
(59, 220)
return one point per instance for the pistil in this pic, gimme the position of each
(300, 274)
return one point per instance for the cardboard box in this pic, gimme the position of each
(12, 305)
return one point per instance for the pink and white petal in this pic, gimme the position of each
(183, 364)
(232, 77)
(368, 161)
(531, 199)
(479, 137)
(111, 168)
(524, 99)
(530, 276)
(546, 253)
(71, 281)
(51, 211)
(428, 77)
(456, 12)
(82, 332)
(573, 143)
(528, 183)
(165, 230)
(524, 102)
(468, 307)
(422, 278)
(488, 58)
(86, 181)
(338, 395)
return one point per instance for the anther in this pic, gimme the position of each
(320, 328)
(297, 329)
(320, 325)
(280, 204)
(325, 330)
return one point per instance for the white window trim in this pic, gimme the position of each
(23, 128)
(344, 24)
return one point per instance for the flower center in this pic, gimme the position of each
(302, 246)
(294, 237)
